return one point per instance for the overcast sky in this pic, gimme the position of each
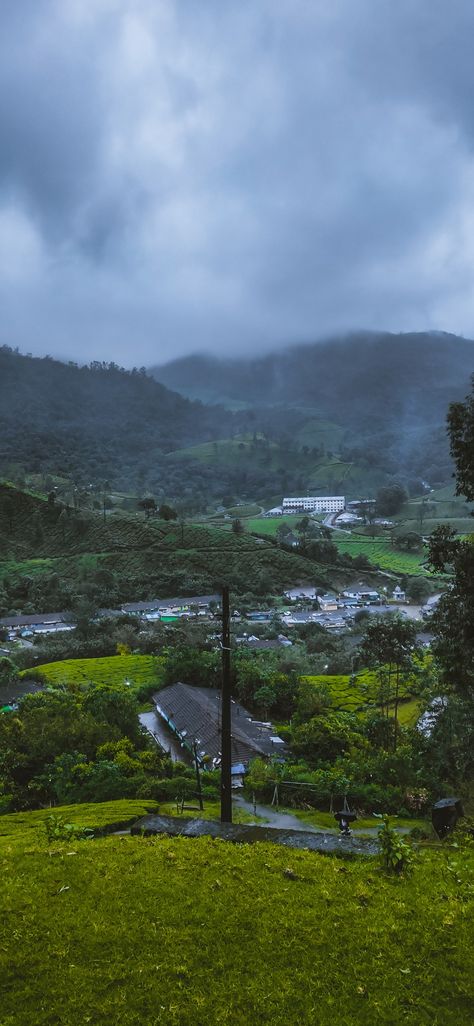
(233, 175)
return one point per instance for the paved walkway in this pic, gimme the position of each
(274, 818)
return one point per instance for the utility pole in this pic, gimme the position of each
(198, 775)
(226, 754)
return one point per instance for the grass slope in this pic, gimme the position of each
(190, 932)
(327, 473)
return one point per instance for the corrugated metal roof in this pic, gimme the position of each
(195, 713)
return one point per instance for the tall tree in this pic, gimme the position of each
(461, 436)
(453, 620)
(389, 645)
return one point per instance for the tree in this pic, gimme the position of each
(418, 589)
(8, 671)
(325, 738)
(148, 505)
(115, 707)
(425, 509)
(453, 620)
(410, 541)
(282, 532)
(312, 700)
(461, 435)
(389, 645)
(237, 526)
(265, 697)
(390, 499)
(166, 512)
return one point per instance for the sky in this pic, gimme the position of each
(233, 176)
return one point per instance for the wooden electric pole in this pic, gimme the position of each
(226, 752)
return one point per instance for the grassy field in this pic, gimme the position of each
(270, 525)
(326, 821)
(185, 932)
(20, 829)
(111, 670)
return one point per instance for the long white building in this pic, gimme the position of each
(314, 504)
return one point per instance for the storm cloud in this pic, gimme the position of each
(180, 175)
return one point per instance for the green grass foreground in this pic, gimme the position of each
(183, 932)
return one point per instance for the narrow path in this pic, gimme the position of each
(286, 821)
(279, 820)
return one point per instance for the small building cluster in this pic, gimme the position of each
(166, 610)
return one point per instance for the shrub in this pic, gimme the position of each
(396, 856)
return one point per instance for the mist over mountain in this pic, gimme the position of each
(362, 379)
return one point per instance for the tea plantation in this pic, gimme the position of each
(135, 670)
(350, 694)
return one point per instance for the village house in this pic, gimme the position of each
(327, 603)
(194, 716)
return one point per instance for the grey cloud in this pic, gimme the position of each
(177, 176)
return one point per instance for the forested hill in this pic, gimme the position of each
(360, 379)
(92, 421)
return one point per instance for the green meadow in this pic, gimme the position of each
(186, 932)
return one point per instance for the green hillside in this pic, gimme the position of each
(308, 464)
(189, 932)
(50, 556)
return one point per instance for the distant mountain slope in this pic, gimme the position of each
(365, 376)
(93, 420)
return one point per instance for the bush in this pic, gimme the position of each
(395, 855)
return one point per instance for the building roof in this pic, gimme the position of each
(195, 714)
(32, 619)
(151, 604)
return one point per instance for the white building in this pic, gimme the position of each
(314, 504)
